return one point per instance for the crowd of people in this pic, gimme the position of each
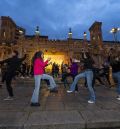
(85, 67)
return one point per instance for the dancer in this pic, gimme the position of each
(115, 64)
(73, 71)
(39, 68)
(13, 65)
(88, 74)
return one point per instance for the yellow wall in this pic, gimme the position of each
(58, 59)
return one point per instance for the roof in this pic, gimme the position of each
(95, 23)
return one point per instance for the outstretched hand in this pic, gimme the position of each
(49, 59)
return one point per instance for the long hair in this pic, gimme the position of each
(36, 56)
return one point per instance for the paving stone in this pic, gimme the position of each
(54, 106)
(12, 120)
(101, 119)
(53, 119)
(59, 111)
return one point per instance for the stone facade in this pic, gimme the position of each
(61, 50)
(9, 31)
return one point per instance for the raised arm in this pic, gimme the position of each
(5, 61)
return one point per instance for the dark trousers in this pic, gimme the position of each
(47, 81)
(8, 80)
(106, 75)
(3, 77)
(64, 79)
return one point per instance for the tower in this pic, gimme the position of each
(70, 33)
(96, 35)
(37, 38)
(37, 31)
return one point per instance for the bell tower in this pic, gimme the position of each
(96, 34)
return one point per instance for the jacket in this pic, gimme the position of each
(13, 64)
(39, 66)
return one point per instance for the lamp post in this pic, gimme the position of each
(21, 37)
(114, 31)
(85, 41)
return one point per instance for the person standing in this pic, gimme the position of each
(13, 65)
(39, 68)
(71, 71)
(88, 74)
(115, 64)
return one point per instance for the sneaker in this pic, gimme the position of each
(69, 91)
(90, 102)
(8, 98)
(34, 104)
(76, 91)
(118, 97)
(22, 77)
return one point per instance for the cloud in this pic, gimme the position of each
(55, 17)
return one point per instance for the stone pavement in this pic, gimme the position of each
(59, 111)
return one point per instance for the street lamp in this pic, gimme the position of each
(20, 32)
(21, 37)
(114, 31)
(85, 44)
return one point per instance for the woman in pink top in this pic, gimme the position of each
(39, 68)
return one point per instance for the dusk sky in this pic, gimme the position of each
(55, 17)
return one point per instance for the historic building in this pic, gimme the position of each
(59, 50)
(9, 31)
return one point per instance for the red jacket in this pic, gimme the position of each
(39, 66)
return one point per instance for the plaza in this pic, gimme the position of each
(59, 111)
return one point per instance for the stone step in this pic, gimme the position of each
(60, 120)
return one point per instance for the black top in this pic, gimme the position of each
(88, 63)
(115, 64)
(13, 63)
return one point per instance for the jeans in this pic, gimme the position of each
(35, 96)
(116, 75)
(88, 74)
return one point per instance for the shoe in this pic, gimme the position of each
(54, 90)
(91, 101)
(34, 104)
(118, 97)
(8, 98)
(76, 91)
(69, 91)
